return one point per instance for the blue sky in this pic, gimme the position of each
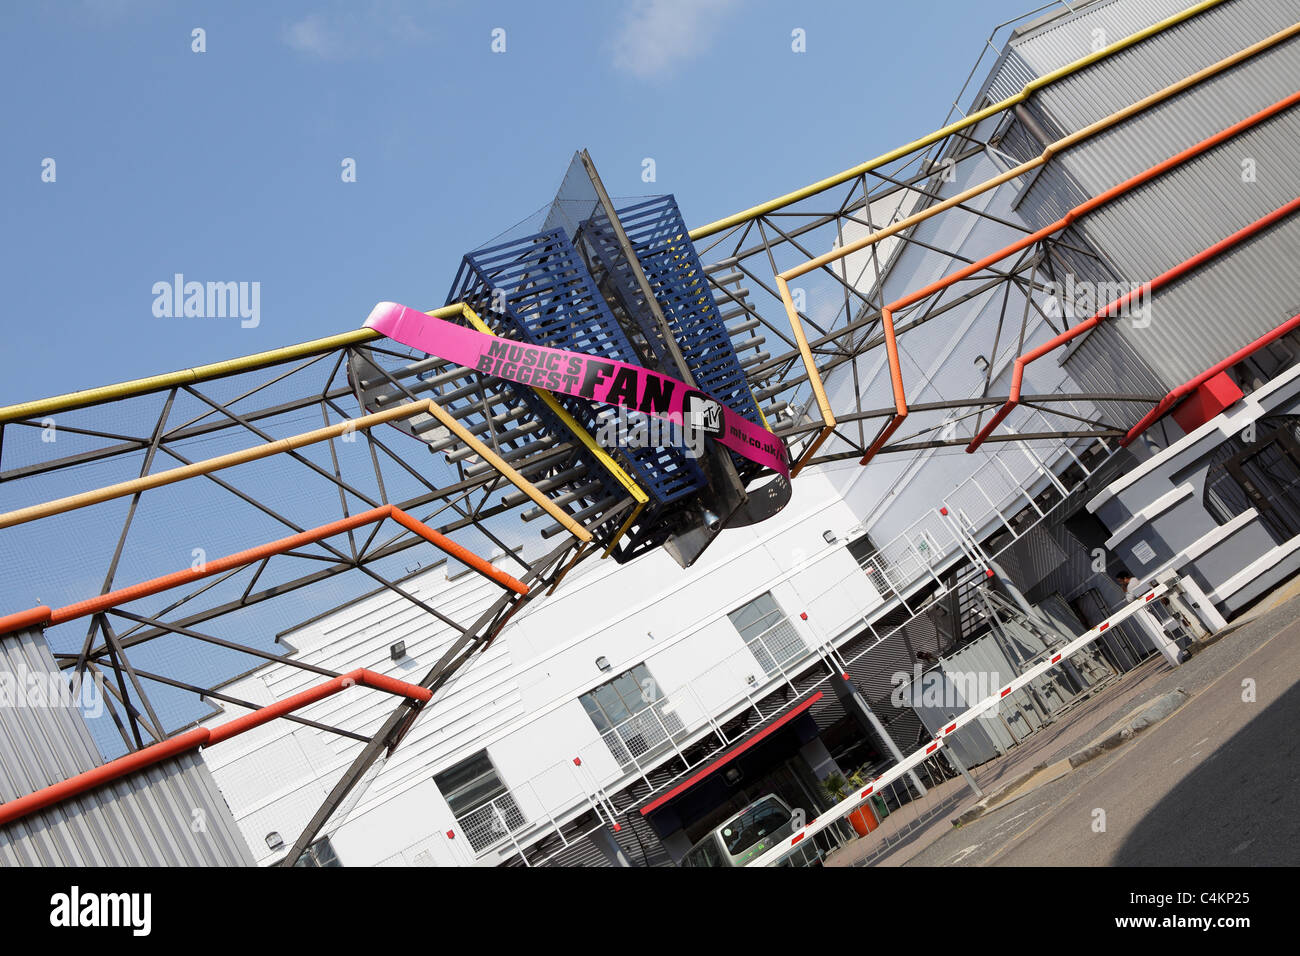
(225, 165)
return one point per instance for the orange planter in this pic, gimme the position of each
(863, 820)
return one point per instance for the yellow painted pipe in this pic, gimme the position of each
(1029, 89)
(246, 363)
(266, 450)
(631, 520)
(571, 423)
(823, 403)
(584, 436)
(1049, 151)
(814, 379)
(191, 376)
(515, 478)
(564, 572)
(811, 450)
(173, 475)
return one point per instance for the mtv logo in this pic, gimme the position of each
(701, 413)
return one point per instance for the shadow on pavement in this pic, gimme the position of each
(1241, 806)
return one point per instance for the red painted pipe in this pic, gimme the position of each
(1192, 384)
(101, 775)
(112, 599)
(22, 620)
(1170, 275)
(201, 737)
(114, 769)
(1090, 205)
(270, 712)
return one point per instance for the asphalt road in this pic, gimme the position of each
(1218, 782)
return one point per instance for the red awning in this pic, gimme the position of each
(731, 754)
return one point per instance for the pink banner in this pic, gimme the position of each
(585, 376)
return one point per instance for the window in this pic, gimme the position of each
(746, 829)
(635, 719)
(878, 570)
(482, 805)
(320, 853)
(1263, 474)
(768, 633)
(1259, 368)
(704, 853)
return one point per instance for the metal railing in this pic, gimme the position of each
(645, 735)
(489, 824)
(911, 561)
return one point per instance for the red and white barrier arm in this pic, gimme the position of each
(910, 762)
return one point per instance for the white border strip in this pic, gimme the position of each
(1144, 515)
(1253, 570)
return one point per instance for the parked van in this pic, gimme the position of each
(745, 836)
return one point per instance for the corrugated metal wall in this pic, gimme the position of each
(169, 815)
(1201, 319)
(1011, 75)
(1060, 37)
(1113, 364)
(1057, 40)
(1048, 194)
(1070, 579)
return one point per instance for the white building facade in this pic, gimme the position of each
(607, 702)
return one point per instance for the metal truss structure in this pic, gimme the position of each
(230, 603)
(869, 215)
(288, 483)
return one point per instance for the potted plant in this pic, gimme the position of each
(837, 787)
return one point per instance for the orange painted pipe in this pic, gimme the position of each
(198, 737)
(462, 554)
(104, 602)
(22, 620)
(896, 383)
(1170, 275)
(125, 595)
(106, 773)
(170, 476)
(1182, 391)
(270, 712)
(1090, 205)
(112, 599)
(201, 737)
